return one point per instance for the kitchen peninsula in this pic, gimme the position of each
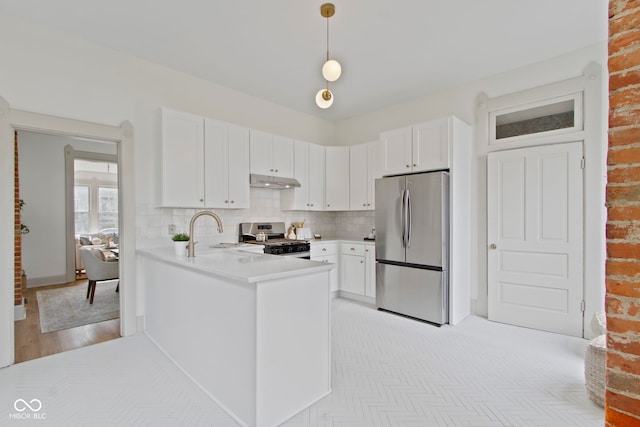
(252, 330)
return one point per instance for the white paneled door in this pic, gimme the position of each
(535, 237)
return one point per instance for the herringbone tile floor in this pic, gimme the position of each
(392, 371)
(387, 371)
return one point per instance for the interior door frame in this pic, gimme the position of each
(594, 134)
(12, 120)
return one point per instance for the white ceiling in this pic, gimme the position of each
(390, 51)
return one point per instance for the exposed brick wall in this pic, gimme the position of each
(622, 407)
(17, 293)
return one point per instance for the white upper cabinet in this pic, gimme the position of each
(317, 174)
(358, 188)
(261, 152)
(430, 145)
(282, 156)
(182, 166)
(309, 170)
(364, 168)
(417, 148)
(396, 151)
(271, 154)
(226, 153)
(337, 179)
(238, 167)
(205, 163)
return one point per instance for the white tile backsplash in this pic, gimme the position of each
(152, 223)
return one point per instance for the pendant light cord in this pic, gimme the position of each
(327, 38)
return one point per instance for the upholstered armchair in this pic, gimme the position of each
(97, 269)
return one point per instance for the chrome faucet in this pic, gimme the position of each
(191, 250)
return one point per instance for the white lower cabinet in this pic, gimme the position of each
(355, 275)
(370, 271)
(352, 274)
(328, 252)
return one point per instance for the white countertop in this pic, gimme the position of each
(237, 264)
(343, 239)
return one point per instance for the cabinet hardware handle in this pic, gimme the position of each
(364, 204)
(361, 262)
(366, 250)
(233, 201)
(324, 249)
(408, 166)
(226, 201)
(276, 170)
(493, 246)
(202, 200)
(414, 165)
(353, 249)
(270, 170)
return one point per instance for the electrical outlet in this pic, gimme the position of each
(172, 229)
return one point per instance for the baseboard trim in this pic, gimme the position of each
(46, 281)
(140, 324)
(19, 311)
(356, 297)
(474, 307)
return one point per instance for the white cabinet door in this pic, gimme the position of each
(226, 165)
(396, 151)
(352, 271)
(182, 169)
(282, 156)
(309, 165)
(216, 164)
(261, 152)
(337, 169)
(358, 177)
(238, 167)
(370, 271)
(374, 171)
(334, 277)
(298, 198)
(430, 145)
(316, 179)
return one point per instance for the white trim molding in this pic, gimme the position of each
(11, 120)
(592, 130)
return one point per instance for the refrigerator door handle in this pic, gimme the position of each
(408, 221)
(402, 219)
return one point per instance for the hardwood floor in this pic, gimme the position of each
(30, 343)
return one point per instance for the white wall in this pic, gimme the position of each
(462, 102)
(42, 187)
(45, 71)
(48, 72)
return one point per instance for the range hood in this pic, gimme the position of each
(273, 182)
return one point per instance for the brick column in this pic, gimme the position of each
(17, 281)
(622, 406)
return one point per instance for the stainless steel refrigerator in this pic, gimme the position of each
(412, 245)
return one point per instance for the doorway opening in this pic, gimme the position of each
(69, 189)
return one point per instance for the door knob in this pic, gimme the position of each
(493, 246)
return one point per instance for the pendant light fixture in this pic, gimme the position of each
(331, 69)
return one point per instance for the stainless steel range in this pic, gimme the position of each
(271, 235)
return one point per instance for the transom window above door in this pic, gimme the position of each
(546, 117)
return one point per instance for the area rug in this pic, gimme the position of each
(69, 307)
